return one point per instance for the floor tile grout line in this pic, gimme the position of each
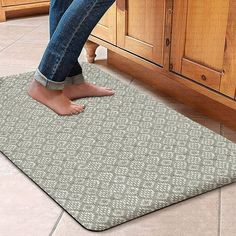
(56, 223)
(46, 20)
(11, 20)
(219, 213)
(1, 50)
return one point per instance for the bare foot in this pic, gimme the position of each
(53, 99)
(86, 90)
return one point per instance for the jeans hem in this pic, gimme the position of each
(75, 79)
(55, 85)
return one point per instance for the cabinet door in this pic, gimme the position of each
(19, 2)
(140, 28)
(106, 27)
(198, 48)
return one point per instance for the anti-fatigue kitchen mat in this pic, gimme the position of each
(125, 156)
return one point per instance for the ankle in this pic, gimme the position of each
(36, 88)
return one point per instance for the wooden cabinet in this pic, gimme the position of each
(197, 41)
(20, 2)
(140, 28)
(106, 27)
(136, 26)
(194, 41)
(204, 44)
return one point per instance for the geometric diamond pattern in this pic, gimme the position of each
(125, 156)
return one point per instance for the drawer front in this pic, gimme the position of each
(19, 2)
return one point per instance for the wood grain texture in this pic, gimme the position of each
(20, 2)
(201, 74)
(200, 31)
(178, 34)
(139, 65)
(205, 32)
(228, 80)
(140, 28)
(200, 53)
(19, 8)
(167, 32)
(2, 14)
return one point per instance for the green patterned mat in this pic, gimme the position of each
(125, 156)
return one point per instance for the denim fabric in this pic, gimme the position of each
(71, 22)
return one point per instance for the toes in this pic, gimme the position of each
(81, 106)
(111, 92)
(77, 111)
(74, 111)
(107, 88)
(78, 108)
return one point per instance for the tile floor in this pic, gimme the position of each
(27, 211)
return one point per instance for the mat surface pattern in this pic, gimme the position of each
(125, 156)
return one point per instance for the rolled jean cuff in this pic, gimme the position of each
(75, 79)
(54, 85)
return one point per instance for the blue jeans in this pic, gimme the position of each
(71, 22)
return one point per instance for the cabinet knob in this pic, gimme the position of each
(203, 77)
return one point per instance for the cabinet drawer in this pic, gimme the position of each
(19, 2)
(201, 74)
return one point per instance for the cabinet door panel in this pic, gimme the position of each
(106, 27)
(140, 28)
(205, 32)
(198, 40)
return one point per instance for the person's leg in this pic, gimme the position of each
(62, 51)
(56, 11)
(68, 40)
(75, 77)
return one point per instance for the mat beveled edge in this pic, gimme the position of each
(120, 224)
